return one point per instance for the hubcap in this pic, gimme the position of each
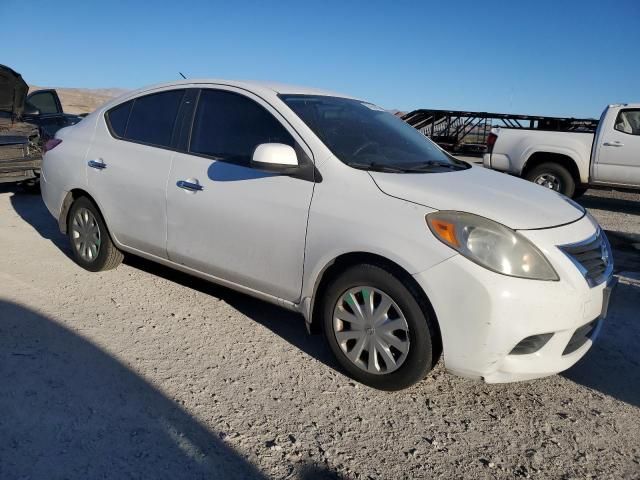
(548, 180)
(85, 233)
(371, 330)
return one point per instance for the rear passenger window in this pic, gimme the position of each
(118, 118)
(229, 126)
(628, 121)
(152, 118)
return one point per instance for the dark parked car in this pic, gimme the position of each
(27, 121)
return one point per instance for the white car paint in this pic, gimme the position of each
(481, 192)
(272, 236)
(609, 157)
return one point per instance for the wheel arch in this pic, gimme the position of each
(346, 260)
(71, 196)
(563, 159)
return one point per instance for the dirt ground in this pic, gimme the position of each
(143, 372)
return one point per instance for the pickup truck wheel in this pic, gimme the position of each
(553, 176)
(90, 241)
(376, 328)
(31, 186)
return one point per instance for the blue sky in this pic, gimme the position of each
(533, 57)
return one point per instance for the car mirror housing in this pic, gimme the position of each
(275, 157)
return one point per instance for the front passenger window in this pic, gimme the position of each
(229, 126)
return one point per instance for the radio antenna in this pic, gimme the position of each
(182, 75)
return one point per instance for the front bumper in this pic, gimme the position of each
(483, 315)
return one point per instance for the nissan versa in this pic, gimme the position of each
(332, 207)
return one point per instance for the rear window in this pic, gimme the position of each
(152, 118)
(118, 118)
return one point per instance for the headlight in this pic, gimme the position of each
(490, 245)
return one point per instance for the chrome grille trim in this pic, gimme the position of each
(592, 257)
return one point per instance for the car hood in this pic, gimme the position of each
(508, 200)
(13, 91)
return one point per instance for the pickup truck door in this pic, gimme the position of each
(618, 149)
(51, 117)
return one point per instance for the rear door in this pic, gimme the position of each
(237, 223)
(618, 159)
(128, 164)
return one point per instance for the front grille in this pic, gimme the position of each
(592, 257)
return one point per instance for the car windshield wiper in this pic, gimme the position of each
(377, 167)
(429, 164)
(421, 167)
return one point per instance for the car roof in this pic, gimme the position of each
(257, 87)
(626, 105)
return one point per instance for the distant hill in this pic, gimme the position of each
(83, 100)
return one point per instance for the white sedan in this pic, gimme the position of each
(332, 207)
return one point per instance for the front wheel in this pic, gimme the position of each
(377, 329)
(554, 177)
(91, 244)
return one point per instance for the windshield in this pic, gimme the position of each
(365, 136)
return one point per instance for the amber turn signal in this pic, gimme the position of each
(446, 231)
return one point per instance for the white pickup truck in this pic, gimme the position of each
(571, 161)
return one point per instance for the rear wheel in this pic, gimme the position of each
(90, 241)
(554, 177)
(377, 329)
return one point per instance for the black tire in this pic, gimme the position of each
(424, 344)
(566, 182)
(108, 256)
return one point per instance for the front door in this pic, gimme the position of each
(230, 220)
(619, 150)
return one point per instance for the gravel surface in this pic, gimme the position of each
(143, 372)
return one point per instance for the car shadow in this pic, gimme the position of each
(611, 204)
(32, 210)
(626, 254)
(230, 172)
(288, 325)
(71, 410)
(612, 366)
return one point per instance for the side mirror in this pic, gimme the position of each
(30, 110)
(275, 157)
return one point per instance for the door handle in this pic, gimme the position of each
(97, 164)
(190, 186)
(613, 144)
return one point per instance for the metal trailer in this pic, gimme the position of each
(466, 132)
